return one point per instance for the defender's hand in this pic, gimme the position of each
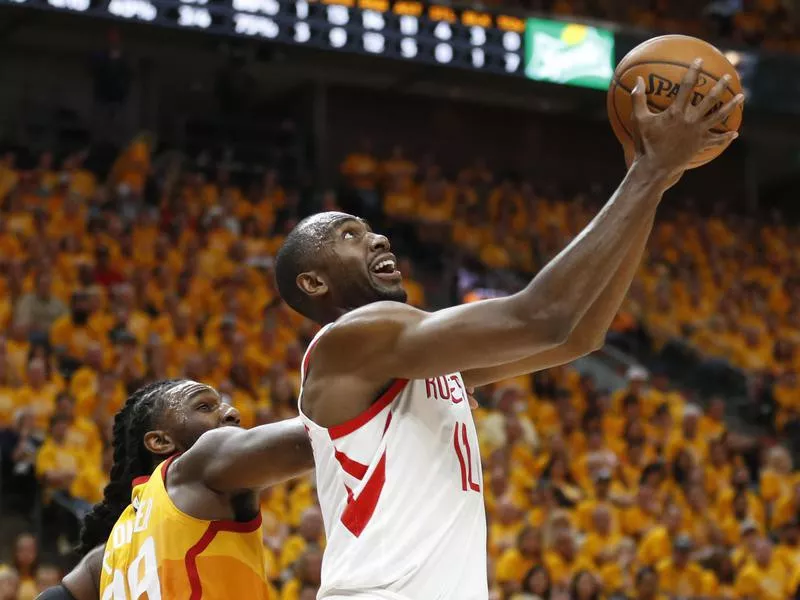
(669, 140)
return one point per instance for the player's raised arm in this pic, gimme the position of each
(590, 333)
(385, 340)
(230, 459)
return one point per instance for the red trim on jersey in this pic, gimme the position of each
(353, 467)
(190, 561)
(214, 527)
(388, 422)
(358, 512)
(460, 459)
(338, 431)
(164, 466)
(473, 486)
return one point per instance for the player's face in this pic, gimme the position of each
(359, 267)
(191, 410)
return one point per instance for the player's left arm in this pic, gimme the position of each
(82, 583)
(589, 334)
(230, 459)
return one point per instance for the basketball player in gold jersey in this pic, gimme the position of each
(180, 517)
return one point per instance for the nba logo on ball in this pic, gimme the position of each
(569, 53)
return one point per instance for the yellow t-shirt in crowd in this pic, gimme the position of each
(764, 583)
(512, 566)
(686, 582)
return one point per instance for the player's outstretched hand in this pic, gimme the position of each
(669, 140)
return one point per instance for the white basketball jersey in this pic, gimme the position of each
(401, 494)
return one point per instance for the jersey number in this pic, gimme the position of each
(464, 455)
(142, 577)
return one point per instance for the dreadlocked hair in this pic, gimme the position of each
(131, 460)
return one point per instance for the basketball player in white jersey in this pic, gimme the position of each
(384, 385)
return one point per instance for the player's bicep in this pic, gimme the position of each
(391, 340)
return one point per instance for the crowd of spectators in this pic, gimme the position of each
(109, 282)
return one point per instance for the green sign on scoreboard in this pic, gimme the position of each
(569, 53)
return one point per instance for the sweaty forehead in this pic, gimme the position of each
(323, 224)
(182, 392)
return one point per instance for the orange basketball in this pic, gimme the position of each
(662, 63)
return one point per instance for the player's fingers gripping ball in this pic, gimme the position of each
(662, 63)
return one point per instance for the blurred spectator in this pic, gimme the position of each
(47, 576)
(563, 561)
(71, 334)
(647, 587)
(59, 465)
(515, 562)
(678, 575)
(18, 451)
(361, 170)
(9, 583)
(7, 403)
(38, 310)
(535, 585)
(656, 545)
(601, 545)
(39, 394)
(82, 433)
(584, 586)
(766, 576)
(307, 573)
(25, 564)
(310, 533)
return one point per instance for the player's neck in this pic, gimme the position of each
(328, 314)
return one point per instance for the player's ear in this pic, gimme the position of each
(159, 442)
(312, 284)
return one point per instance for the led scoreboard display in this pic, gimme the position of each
(403, 29)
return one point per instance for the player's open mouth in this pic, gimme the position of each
(385, 268)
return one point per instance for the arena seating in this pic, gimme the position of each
(634, 492)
